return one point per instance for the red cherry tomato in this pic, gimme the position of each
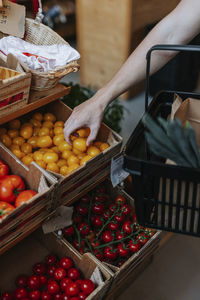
(134, 246)
(24, 197)
(107, 237)
(39, 268)
(87, 286)
(77, 219)
(20, 293)
(66, 263)
(113, 207)
(98, 208)
(51, 270)
(59, 274)
(122, 250)
(142, 238)
(119, 218)
(120, 200)
(84, 229)
(73, 274)
(126, 209)
(127, 227)
(45, 296)
(64, 283)
(82, 209)
(34, 295)
(82, 296)
(52, 287)
(85, 199)
(113, 226)
(100, 197)
(119, 235)
(6, 296)
(66, 297)
(110, 253)
(73, 289)
(97, 221)
(58, 296)
(43, 280)
(33, 282)
(4, 169)
(21, 281)
(98, 253)
(68, 231)
(107, 214)
(51, 259)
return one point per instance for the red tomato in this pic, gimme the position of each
(43, 280)
(33, 282)
(4, 170)
(73, 274)
(110, 253)
(66, 297)
(77, 219)
(107, 214)
(73, 289)
(51, 270)
(59, 274)
(66, 263)
(45, 296)
(98, 254)
(21, 281)
(5, 209)
(84, 229)
(85, 199)
(113, 207)
(87, 286)
(79, 281)
(120, 200)
(119, 218)
(34, 295)
(20, 293)
(119, 235)
(39, 268)
(64, 283)
(122, 250)
(98, 208)
(100, 197)
(107, 236)
(51, 259)
(113, 226)
(6, 296)
(126, 209)
(127, 227)
(82, 296)
(142, 238)
(134, 246)
(97, 221)
(53, 287)
(10, 187)
(24, 197)
(82, 209)
(68, 231)
(58, 296)
(76, 244)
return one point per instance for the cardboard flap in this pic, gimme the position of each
(176, 105)
(13, 63)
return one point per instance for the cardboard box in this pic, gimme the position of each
(29, 215)
(21, 258)
(120, 274)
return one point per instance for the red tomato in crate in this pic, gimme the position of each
(82, 296)
(39, 268)
(87, 286)
(43, 280)
(51, 270)
(6, 296)
(64, 283)
(122, 250)
(127, 227)
(4, 169)
(59, 274)
(107, 236)
(97, 221)
(10, 187)
(53, 287)
(51, 259)
(120, 200)
(73, 274)
(66, 263)
(45, 296)
(21, 281)
(24, 197)
(110, 253)
(84, 229)
(5, 209)
(126, 209)
(68, 231)
(58, 296)
(20, 293)
(98, 208)
(73, 289)
(134, 246)
(34, 295)
(33, 282)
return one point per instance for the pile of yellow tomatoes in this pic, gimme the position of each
(41, 139)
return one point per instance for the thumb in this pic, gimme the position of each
(93, 134)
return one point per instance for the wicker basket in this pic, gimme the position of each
(39, 34)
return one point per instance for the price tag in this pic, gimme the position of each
(117, 172)
(12, 19)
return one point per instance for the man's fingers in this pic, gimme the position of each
(93, 134)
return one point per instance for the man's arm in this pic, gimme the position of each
(179, 27)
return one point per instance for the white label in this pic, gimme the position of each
(117, 172)
(62, 218)
(96, 277)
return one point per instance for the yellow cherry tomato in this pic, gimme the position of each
(6, 140)
(44, 131)
(97, 144)
(35, 123)
(93, 151)
(76, 152)
(58, 130)
(104, 146)
(44, 141)
(61, 163)
(18, 153)
(64, 170)
(26, 132)
(73, 159)
(37, 116)
(80, 144)
(81, 155)
(57, 139)
(36, 131)
(41, 163)
(30, 154)
(14, 147)
(51, 133)
(14, 124)
(3, 130)
(83, 132)
(55, 149)
(73, 137)
(26, 124)
(49, 157)
(85, 159)
(19, 140)
(13, 133)
(38, 155)
(49, 117)
(66, 154)
(59, 124)
(33, 142)
(27, 160)
(52, 166)
(48, 124)
(26, 148)
(72, 168)
(64, 146)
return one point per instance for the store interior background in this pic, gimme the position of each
(174, 272)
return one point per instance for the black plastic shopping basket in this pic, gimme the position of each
(166, 197)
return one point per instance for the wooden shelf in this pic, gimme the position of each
(36, 100)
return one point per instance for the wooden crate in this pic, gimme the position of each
(33, 212)
(94, 170)
(108, 33)
(120, 274)
(14, 90)
(37, 246)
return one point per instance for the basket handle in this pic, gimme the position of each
(182, 48)
(39, 15)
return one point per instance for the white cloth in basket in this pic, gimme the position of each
(38, 57)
